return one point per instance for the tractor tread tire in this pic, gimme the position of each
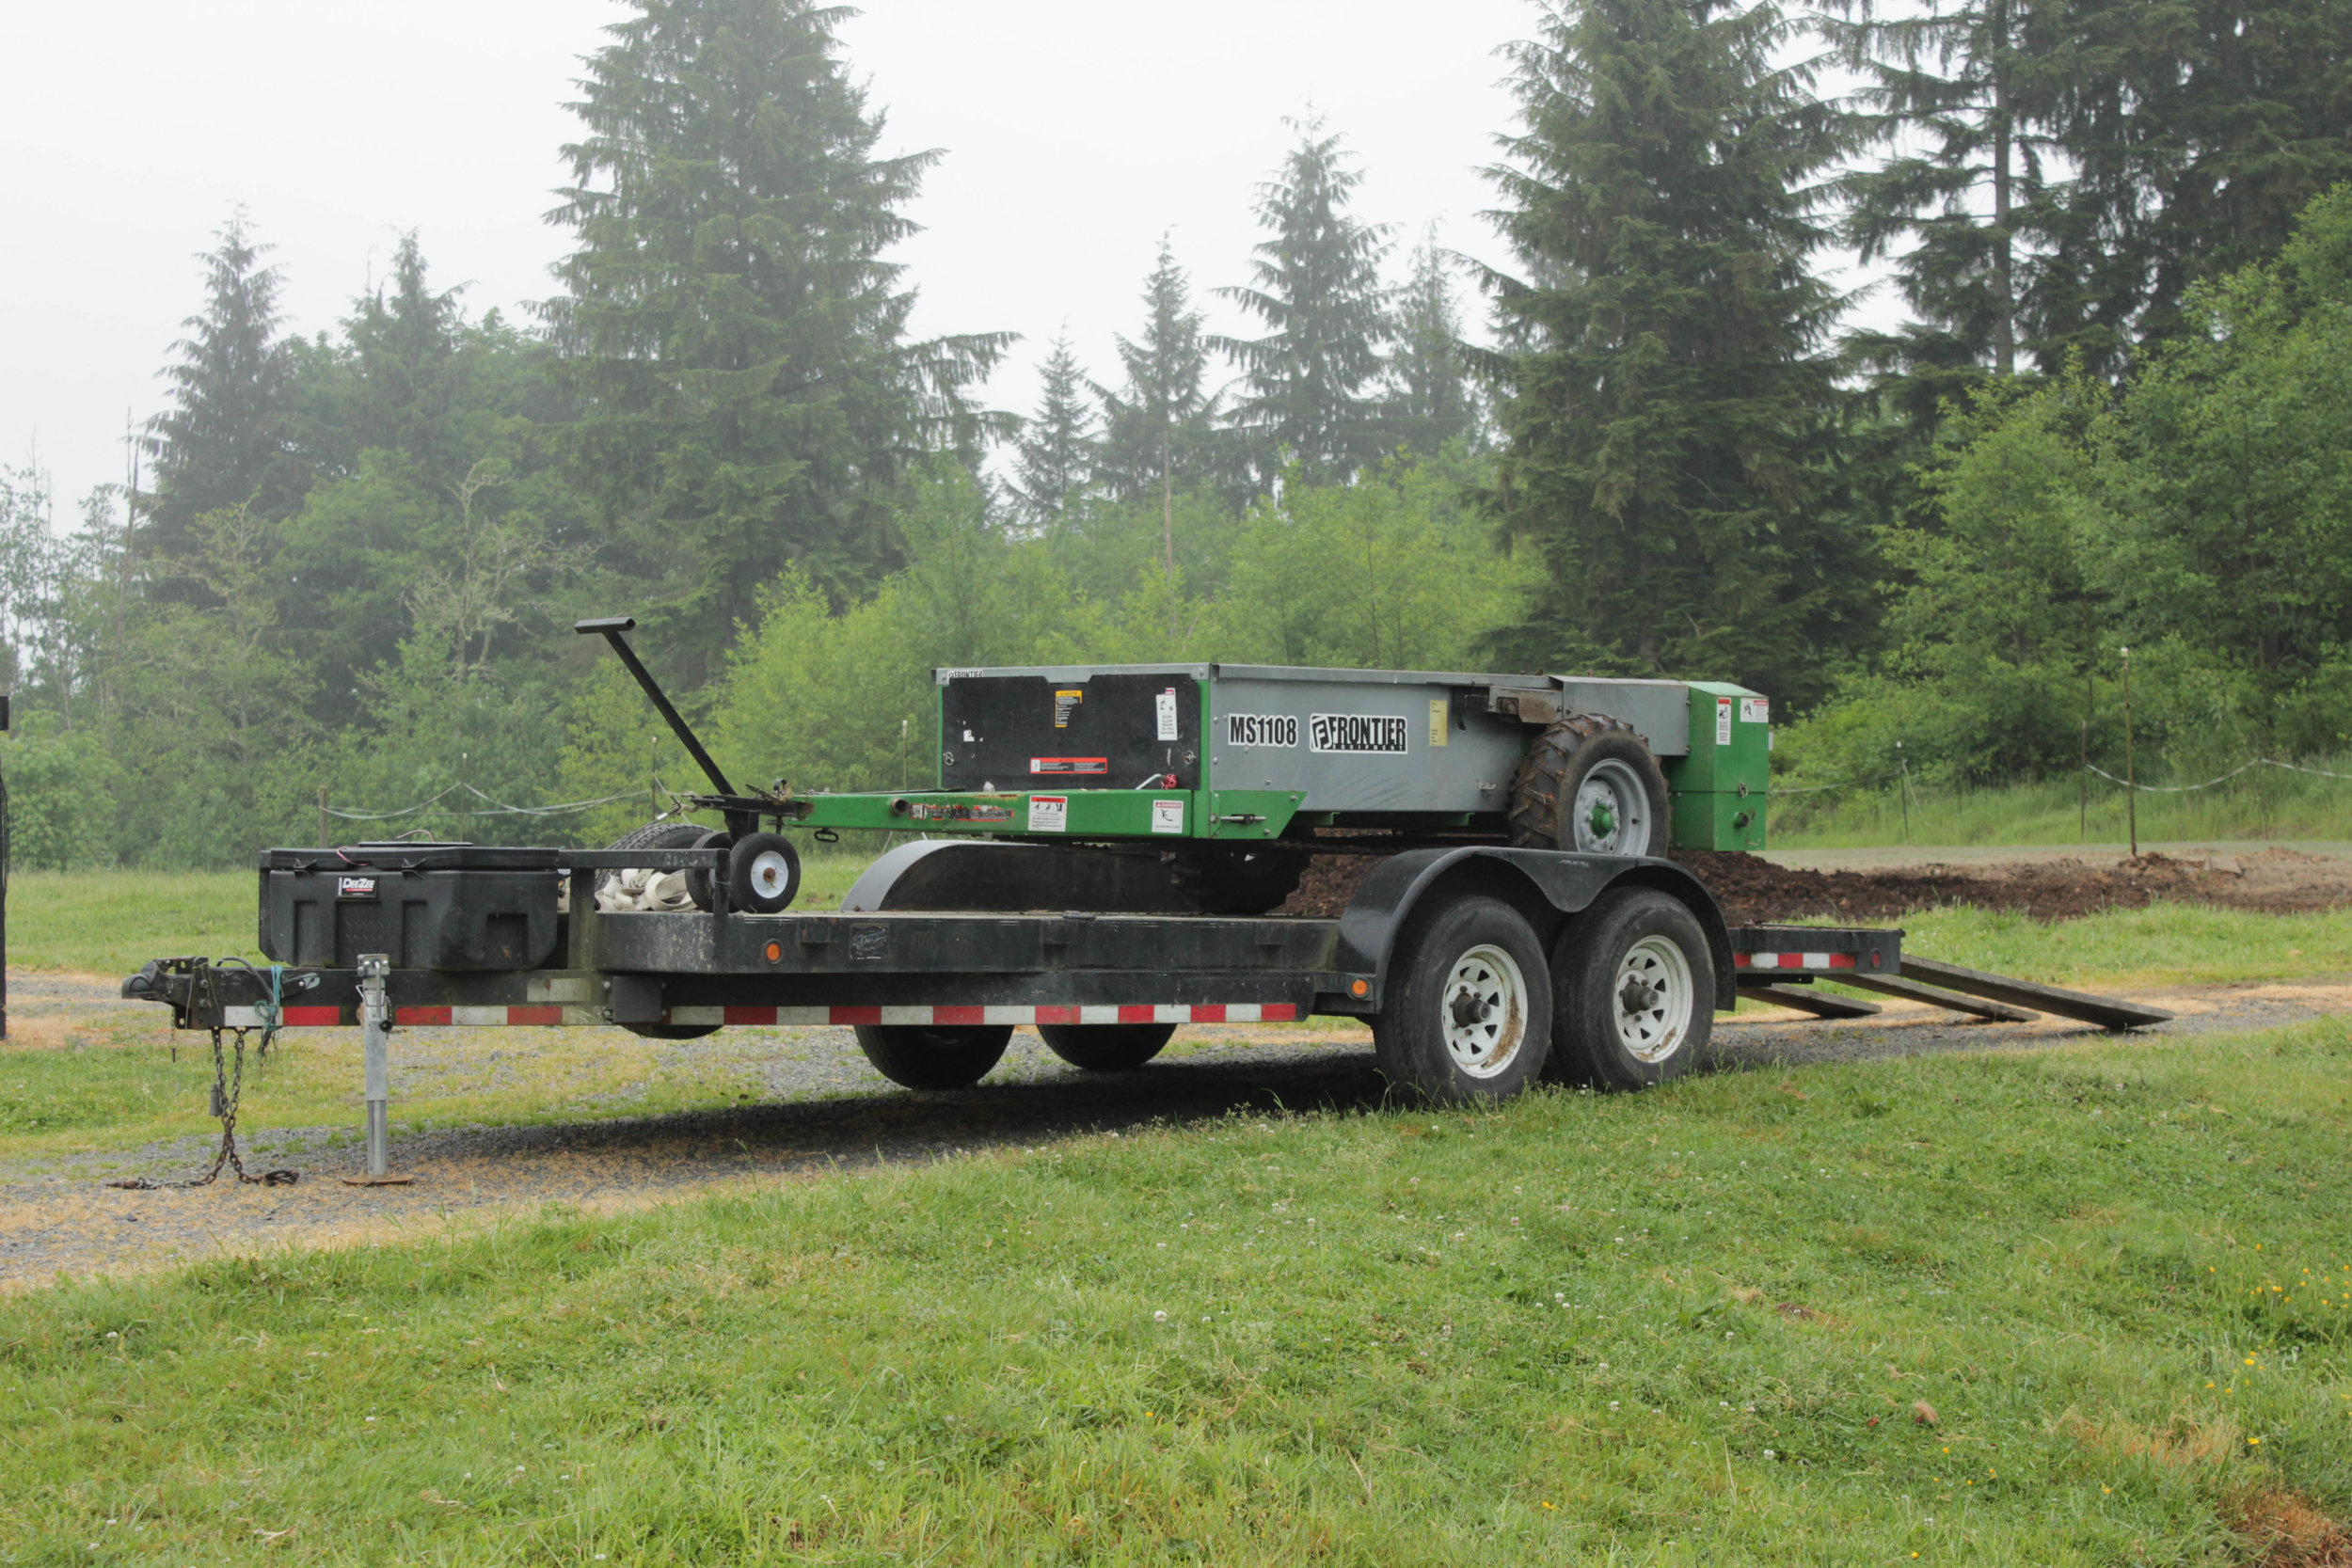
(1543, 789)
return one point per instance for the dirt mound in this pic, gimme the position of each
(1753, 889)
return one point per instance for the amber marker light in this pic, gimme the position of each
(1359, 987)
(775, 952)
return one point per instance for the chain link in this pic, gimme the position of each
(227, 1091)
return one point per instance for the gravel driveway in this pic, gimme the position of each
(825, 1110)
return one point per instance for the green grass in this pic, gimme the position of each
(111, 921)
(2164, 944)
(2264, 806)
(1689, 1326)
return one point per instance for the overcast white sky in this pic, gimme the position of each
(1076, 132)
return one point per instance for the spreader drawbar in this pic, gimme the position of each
(481, 1018)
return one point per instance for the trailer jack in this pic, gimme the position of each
(375, 1025)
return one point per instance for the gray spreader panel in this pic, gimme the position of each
(1386, 740)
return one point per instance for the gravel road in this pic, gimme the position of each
(824, 1112)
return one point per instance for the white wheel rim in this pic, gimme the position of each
(1654, 999)
(771, 874)
(1483, 1011)
(1611, 814)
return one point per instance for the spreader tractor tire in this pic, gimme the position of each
(1467, 1016)
(1589, 784)
(1634, 991)
(1107, 1047)
(926, 1056)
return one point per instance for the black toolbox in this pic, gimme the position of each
(428, 906)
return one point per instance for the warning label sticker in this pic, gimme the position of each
(1063, 703)
(1167, 706)
(1440, 714)
(1168, 816)
(1722, 720)
(1070, 764)
(1376, 734)
(1755, 711)
(1049, 814)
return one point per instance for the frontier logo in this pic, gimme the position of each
(1373, 734)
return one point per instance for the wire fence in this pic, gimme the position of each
(492, 806)
(2093, 768)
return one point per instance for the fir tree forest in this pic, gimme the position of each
(1642, 433)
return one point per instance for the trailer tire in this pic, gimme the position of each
(928, 1057)
(1107, 1047)
(672, 1031)
(1467, 1016)
(1590, 785)
(1634, 991)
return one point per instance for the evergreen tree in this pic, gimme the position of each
(1304, 398)
(1663, 401)
(406, 346)
(1157, 434)
(223, 444)
(1056, 452)
(1965, 205)
(748, 392)
(2206, 129)
(1429, 400)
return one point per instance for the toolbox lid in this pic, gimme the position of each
(412, 855)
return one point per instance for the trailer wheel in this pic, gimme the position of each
(1107, 1047)
(1634, 988)
(924, 1056)
(763, 873)
(1469, 1016)
(1589, 784)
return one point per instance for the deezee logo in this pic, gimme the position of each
(354, 887)
(1379, 734)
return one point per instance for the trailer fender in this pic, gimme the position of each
(1550, 887)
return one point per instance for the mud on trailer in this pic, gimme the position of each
(1520, 927)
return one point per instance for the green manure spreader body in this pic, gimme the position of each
(1247, 754)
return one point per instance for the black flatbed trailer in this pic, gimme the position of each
(1482, 969)
(859, 966)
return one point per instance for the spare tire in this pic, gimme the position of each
(1589, 784)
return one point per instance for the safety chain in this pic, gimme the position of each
(228, 1090)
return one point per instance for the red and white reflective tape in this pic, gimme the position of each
(481, 1018)
(544, 1013)
(293, 1017)
(1207, 1012)
(1792, 960)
